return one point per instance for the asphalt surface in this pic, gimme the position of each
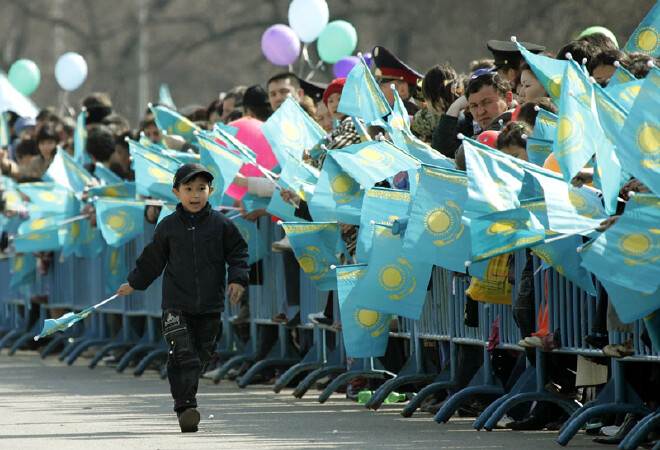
(48, 405)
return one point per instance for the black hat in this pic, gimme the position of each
(255, 96)
(389, 67)
(507, 53)
(187, 172)
(313, 89)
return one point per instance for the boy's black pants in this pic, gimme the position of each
(191, 339)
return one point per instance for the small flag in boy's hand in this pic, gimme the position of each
(66, 321)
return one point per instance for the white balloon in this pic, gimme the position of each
(70, 71)
(308, 18)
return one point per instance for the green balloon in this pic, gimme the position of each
(24, 75)
(337, 40)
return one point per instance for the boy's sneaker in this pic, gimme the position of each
(188, 420)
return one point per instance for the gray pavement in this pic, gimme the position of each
(48, 405)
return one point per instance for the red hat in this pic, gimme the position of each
(489, 138)
(335, 87)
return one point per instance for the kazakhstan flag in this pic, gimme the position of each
(365, 331)
(105, 175)
(119, 220)
(538, 150)
(545, 125)
(38, 235)
(255, 238)
(337, 196)
(120, 190)
(80, 140)
(435, 233)
(373, 161)
(625, 93)
(223, 165)
(279, 208)
(48, 199)
(621, 75)
(646, 37)
(172, 122)
(362, 97)
(154, 174)
(394, 283)
(115, 266)
(315, 246)
(23, 269)
(88, 242)
(380, 205)
(631, 246)
(631, 305)
(68, 173)
(548, 71)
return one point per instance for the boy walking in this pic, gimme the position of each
(193, 245)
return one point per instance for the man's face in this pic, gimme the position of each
(486, 105)
(401, 87)
(228, 106)
(279, 90)
(194, 195)
(153, 133)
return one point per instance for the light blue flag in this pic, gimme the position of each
(154, 174)
(337, 196)
(625, 93)
(495, 181)
(279, 208)
(125, 189)
(628, 253)
(372, 161)
(394, 283)
(645, 38)
(71, 238)
(399, 120)
(23, 269)
(171, 122)
(120, 220)
(405, 140)
(315, 246)
(48, 199)
(380, 205)
(227, 128)
(638, 144)
(255, 238)
(621, 75)
(560, 254)
(538, 150)
(610, 113)
(89, 243)
(38, 235)
(154, 154)
(165, 211)
(253, 202)
(365, 331)
(105, 175)
(545, 125)
(223, 165)
(290, 131)
(435, 233)
(504, 232)
(5, 137)
(232, 143)
(362, 97)
(115, 267)
(165, 96)
(548, 71)
(80, 154)
(299, 177)
(64, 171)
(631, 305)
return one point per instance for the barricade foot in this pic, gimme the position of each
(132, 354)
(454, 402)
(384, 390)
(639, 432)
(57, 340)
(71, 344)
(107, 349)
(81, 347)
(245, 380)
(571, 428)
(149, 357)
(227, 366)
(8, 338)
(346, 378)
(567, 405)
(423, 394)
(293, 371)
(21, 341)
(314, 376)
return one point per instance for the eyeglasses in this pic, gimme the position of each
(482, 72)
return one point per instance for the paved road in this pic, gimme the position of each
(47, 405)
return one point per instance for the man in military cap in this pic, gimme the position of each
(391, 70)
(508, 58)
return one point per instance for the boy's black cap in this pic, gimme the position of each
(187, 172)
(506, 52)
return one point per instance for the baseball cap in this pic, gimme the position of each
(187, 172)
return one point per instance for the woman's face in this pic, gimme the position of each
(530, 88)
(47, 148)
(516, 151)
(333, 103)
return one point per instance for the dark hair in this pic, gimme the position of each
(600, 41)
(100, 142)
(638, 64)
(438, 86)
(46, 132)
(234, 115)
(199, 175)
(26, 148)
(215, 106)
(512, 134)
(528, 112)
(98, 106)
(285, 76)
(579, 50)
(493, 79)
(607, 58)
(147, 123)
(47, 114)
(117, 123)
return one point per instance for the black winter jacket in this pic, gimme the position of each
(193, 249)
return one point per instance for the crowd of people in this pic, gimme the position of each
(495, 100)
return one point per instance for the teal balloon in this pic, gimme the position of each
(25, 76)
(337, 40)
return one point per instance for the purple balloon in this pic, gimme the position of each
(280, 45)
(368, 58)
(344, 65)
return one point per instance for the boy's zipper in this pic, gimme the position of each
(199, 298)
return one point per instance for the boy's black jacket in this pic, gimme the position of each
(193, 249)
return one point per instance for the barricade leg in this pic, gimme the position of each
(153, 355)
(442, 383)
(335, 363)
(28, 335)
(639, 432)
(54, 343)
(148, 342)
(311, 361)
(370, 370)
(107, 349)
(281, 355)
(97, 337)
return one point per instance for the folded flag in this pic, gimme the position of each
(80, 139)
(119, 220)
(115, 265)
(223, 165)
(362, 97)
(64, 171)
(277, 207)
(165, 97)
(171, 122)
(538, 150)
(105, 175)
(545, 125)
(154, 174)
(125, 189)
(365, 331)
(337, 196)
(49, 199)
(645, 37)
(255, 238)
(23, 269)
